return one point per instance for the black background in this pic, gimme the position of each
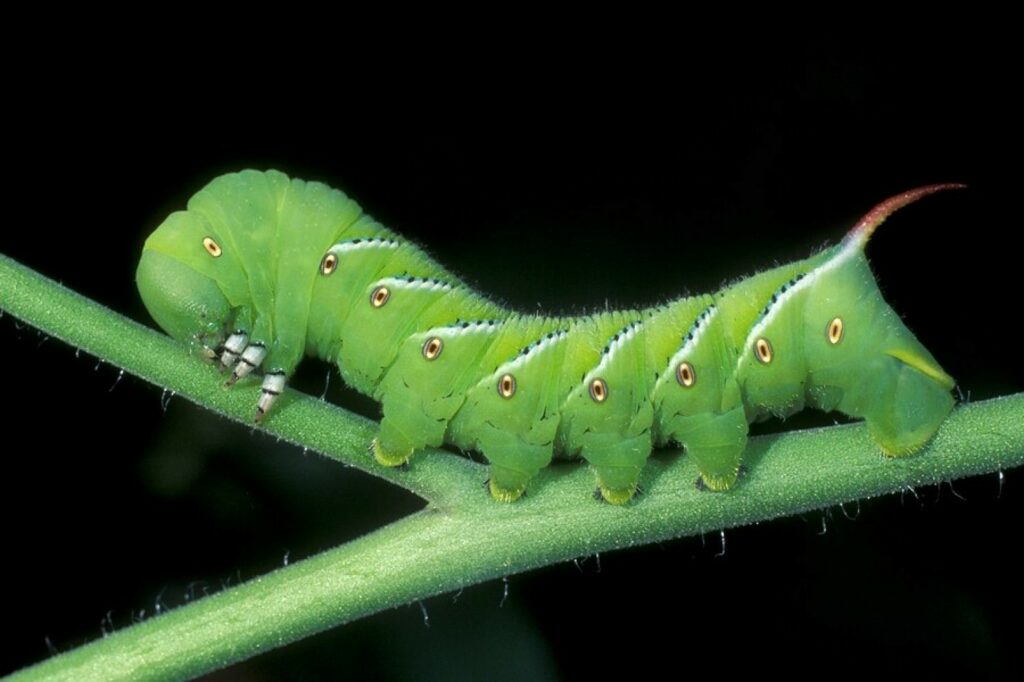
(564, 188)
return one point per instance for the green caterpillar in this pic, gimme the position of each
(261, 270)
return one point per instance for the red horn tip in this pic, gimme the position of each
(867, 225)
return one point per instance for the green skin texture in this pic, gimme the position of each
(604, 387)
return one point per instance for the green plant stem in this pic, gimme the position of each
(463, 537)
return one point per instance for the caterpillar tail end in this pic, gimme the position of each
(385, 458)
(907, 420)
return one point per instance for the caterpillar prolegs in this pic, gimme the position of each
(261, 270)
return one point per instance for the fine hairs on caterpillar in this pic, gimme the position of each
(261, 270)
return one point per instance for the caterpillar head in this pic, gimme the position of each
(182, 278)
(858, 355)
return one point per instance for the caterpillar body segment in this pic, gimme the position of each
(262, 269)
